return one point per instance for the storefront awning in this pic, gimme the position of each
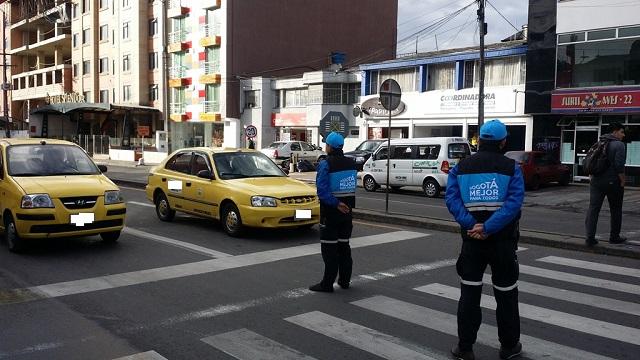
(129, 107)
(65, 108)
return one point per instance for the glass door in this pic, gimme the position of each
(585, 138)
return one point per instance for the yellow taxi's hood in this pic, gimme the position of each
(63, 186)
(278, 187)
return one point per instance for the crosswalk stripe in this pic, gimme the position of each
(177, 243)
(141, 204)
(487, 334)
(557, 318)
(618, 270)
(147, 355)
(580, 279)
(575, 297)
(361, 337)
(244, 344)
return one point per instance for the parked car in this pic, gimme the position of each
(53, 189)
(540, 168)
(363, 152)
(240, 187)
(280, 152)
(421, 162)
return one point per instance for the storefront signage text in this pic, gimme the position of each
(373, 107)
(73, 97)
(466, 102)
(596, 101)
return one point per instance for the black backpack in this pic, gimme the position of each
(596, 162)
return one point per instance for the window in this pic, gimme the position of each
(104, 96)
(75, 69)
(295, 146)
(74, 11)
(86, 36)
(104, 32)
(568, 38)
(125, 3)
(75, 40)
(86, 67)
(199, 163)
(601, 34)
(104, 65)
(401, 152)
(85, 6)
(126, 93)
(296, 97)
(630, 31)
(468, 74)
(332, 93)
(459, 151)
(87, 96)
(441, 76)
(153, 92)
(126, 66)
(307, 147)
(153, 27)
(125, 30)
(103, 4)
(251, 99)
(504, 71)
(153, 60)
(427, 152)
(406, 78)
(180, 162)
(276, 99)
(212, 98)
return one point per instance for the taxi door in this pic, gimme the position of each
(200, 192)
(401, 165)
(177, 170)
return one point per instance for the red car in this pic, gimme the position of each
(540, 168)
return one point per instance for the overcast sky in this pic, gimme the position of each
(414, 15)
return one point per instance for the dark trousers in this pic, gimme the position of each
(597, 192)
(472, 262)
(335, 231)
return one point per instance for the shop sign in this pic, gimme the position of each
(289, 119)
(143, 131)
(73, 97)
(373, 107)
(466, 102)
(596, 101)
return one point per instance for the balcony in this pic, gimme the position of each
(211, 4)
(177, 41)
(211, 111)
(211, 73)
(57, 38)
(211, 35)
(54, 80)
(177, 8)
(178, 111)
(178, 76)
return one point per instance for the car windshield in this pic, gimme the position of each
(518, 156)
(369, 145)
(276, 145)
(238, 165)
(49, 160)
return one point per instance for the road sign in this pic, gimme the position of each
(251, 131)
(143, 131)
(390, 93)
(6, 86)
(334, 121)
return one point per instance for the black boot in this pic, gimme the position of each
(462, 354)
(511, 353)
(321, 288)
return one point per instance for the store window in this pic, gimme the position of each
(441, 76)
(251, 99)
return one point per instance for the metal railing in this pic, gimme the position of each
(177, 72)
(177, 108)
(94, 144)
(211, 29)
(212, 67)
(177, 36)
(211, 106)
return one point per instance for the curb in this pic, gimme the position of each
(555, 240)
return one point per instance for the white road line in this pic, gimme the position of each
(581, 280)
(244, 344)
(148, 355)
(181, 244)
(613, 269)
(534, 348)
(575, 297)
(367, 339)
(568, 321)
(520, 248)
(201, 267)
(141, 204)
(129, 188)
(634, 242)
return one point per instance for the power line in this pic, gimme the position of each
(499, 13)
(436, 24)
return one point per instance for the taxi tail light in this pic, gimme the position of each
(445, 167)
(275, 153)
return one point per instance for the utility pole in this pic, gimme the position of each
(483, 32)
(5, 85)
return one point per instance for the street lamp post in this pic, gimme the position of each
(4, 74)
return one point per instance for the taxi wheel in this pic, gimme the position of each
(110, 237)
(163, 209)
(14, 242)
(431, 188)
(231, 220)
(369, 183)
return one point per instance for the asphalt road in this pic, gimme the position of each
(184, 290)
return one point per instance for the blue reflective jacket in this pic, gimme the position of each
(332, 184)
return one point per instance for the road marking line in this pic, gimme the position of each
(575, 297)
(581, 280)
(181, 244)
(368, 277)
(83, 286)
(364, 338)
(386, 274)
(634, 242)
(568, 321)
(613, 269)
(129, 188)
(244, 344)
(148, 355)
(141, 204)
(378, 225)
(535, 348)
(31, 349)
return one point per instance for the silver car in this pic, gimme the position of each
(280, 152)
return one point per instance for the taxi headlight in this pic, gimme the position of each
(112, 197)
(36, 201)
(359, 159)
(263, 201)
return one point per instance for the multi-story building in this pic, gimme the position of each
(215, 44)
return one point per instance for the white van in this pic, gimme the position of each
(421, 162)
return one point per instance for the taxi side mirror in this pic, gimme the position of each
(205, 174)
(102, 168)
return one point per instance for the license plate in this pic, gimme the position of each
(82, 219)
(303, 215)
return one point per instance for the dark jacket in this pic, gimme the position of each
(617, 155)
(336, 181)
(486, 188)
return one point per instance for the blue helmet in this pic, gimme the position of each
(334, 140)
(493, 130)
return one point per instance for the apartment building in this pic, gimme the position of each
(215, 44)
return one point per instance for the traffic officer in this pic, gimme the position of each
(485, 193)
(336, 183)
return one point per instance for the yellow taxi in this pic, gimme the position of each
(53, 189)
(240, 187)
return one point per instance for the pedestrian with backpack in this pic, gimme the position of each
(605, 167)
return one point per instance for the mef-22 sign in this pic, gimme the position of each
(334, 121)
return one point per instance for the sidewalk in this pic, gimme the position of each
(573, 198)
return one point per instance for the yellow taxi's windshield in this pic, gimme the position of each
(49, 160)
(245, 165)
